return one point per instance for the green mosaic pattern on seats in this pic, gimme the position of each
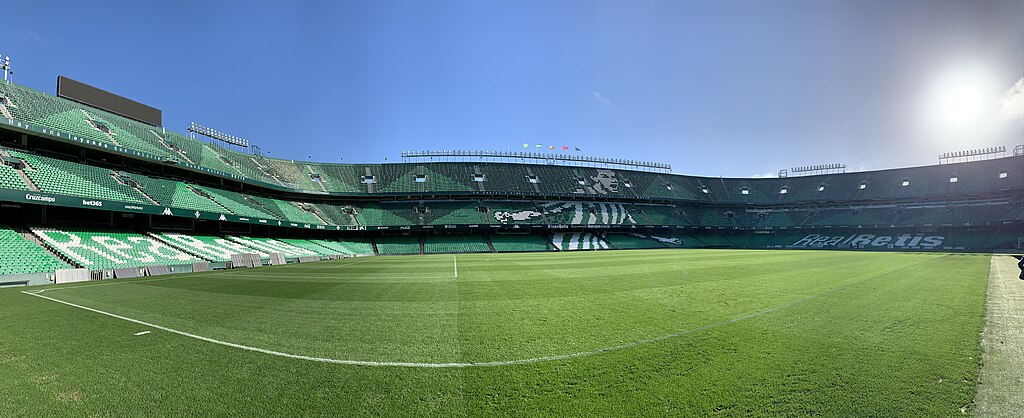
(672, 240)
(319, 249)
(9, 178)
(519, 243)
(455, 244)
(97, 249)
(512, 213)
(358, 246)
(398, 245)
(209, 247)
(631, 241)
(271, 245)
(578, 241)
(21, 256)
(73, 179)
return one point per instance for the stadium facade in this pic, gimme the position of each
(85, 188)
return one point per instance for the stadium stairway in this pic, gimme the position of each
(31, 185)
(176, 151)
(207, 197)
(29, 235)
(127, 180)
(21, 257)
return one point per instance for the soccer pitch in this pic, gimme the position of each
(653, 332)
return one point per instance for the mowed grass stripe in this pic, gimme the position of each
(415, 322)
(899, 344)
(470, 364)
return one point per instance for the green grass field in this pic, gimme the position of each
(655, 333)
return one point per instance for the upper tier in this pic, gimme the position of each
(980, 177)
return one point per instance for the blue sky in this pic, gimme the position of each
(732, 88)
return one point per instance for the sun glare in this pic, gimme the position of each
(962, 105)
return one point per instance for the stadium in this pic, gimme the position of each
(151, 272)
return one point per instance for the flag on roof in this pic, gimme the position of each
(551, 147)
(539, 145)
(526, 145)
(565, 148)
(577, 149)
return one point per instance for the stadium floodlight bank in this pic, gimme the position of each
(972, 155)
(218, 135)
(549, 158)
(6, 66)
(810, 170)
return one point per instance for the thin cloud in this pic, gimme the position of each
(36, 37)
(601, 99)
(1013, 101)
(763, 176)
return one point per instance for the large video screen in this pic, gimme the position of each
(92, 96)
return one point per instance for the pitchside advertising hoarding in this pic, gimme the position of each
(867, 241)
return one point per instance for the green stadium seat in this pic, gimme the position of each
(398, 245)
(504, 243)
(21, 256)
(455, 244)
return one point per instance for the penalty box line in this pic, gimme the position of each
(471, 364)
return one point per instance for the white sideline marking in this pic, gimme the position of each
(270, 277)
(141, 333)
(455, 259)
(471, 364)
(449, 365)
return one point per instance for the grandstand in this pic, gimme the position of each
(96, 190)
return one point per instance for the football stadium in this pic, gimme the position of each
(154, 271)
